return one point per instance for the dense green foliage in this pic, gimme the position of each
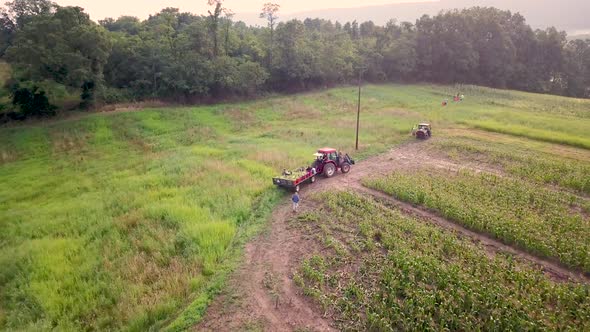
(543, 221)
(180, 56)
(57, 51)
(32, 102)
(380, 270)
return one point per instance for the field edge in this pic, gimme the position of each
(257, 224)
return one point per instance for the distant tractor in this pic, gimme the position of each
(422, 131)
(328, 161)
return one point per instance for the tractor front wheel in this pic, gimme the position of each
(329, 170)
(345, 168)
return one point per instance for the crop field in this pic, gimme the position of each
(526, 193)
(543, 221)
(382, 270)
(133, 219)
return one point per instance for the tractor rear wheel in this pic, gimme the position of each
(345, 168)
(329, 170)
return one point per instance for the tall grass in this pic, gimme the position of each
(539, 117)
(553, 136)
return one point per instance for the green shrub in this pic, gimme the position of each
(32, 102)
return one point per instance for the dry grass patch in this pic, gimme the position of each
(241, 118)
(299, 110)
(7, 156)
(130, 107)
(68, 142)
(152, 284)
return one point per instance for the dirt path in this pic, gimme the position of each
(262, 294)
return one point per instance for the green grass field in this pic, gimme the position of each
(132, 220)
(529, 160)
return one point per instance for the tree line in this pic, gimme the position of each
(60, 58)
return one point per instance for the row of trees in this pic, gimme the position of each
(56, 52)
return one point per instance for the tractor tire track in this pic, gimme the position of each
(270, 299)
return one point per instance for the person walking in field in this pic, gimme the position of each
(295, 200)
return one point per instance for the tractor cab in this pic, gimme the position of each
(329, 160)
(425, 126)
(327, 153)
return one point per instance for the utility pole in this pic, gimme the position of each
(358, 114)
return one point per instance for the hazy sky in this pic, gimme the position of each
(142, 8)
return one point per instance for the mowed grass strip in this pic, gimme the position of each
(542, 221)
(538, 117)
(380, 270)
(545, 164)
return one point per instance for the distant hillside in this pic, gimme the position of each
(583, 37)
(569, 15)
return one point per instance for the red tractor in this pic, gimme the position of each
(328, 161)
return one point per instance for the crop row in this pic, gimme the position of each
(545, 222)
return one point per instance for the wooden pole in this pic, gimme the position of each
(358, 114)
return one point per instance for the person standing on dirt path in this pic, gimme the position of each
(296, 199)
